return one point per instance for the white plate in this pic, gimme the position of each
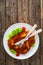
(31, 52)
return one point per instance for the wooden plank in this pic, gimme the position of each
(23, 11)
(20, 10)
(13, 11)
(11, 17)
(41, 9)
(32, 11)
(35, 18)
(7, 14)
(0, 40)
(42, 32)
(2, 30)
(17, 62)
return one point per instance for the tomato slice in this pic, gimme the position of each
(23, 28)
(17, 54)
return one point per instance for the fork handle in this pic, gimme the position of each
(38, 31)
(33, 28)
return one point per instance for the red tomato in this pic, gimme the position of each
(23, 28)
(17, 54)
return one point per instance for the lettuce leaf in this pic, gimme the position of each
(14, 32)
(13, 51)
(33, 44)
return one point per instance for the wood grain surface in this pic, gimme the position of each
(14, 11)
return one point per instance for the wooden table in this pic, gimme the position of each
(29, 11)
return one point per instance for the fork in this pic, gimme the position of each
(21, 41)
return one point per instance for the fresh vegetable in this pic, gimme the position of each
(9, 36)
(14, 32)
(13, 51)
(17, 54)
(19, 30)
(33, 44)
(23, 28)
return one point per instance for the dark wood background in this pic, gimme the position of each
(29, 11)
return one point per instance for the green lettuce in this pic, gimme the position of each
(13, 51)
(33, 44)
(14, 32)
